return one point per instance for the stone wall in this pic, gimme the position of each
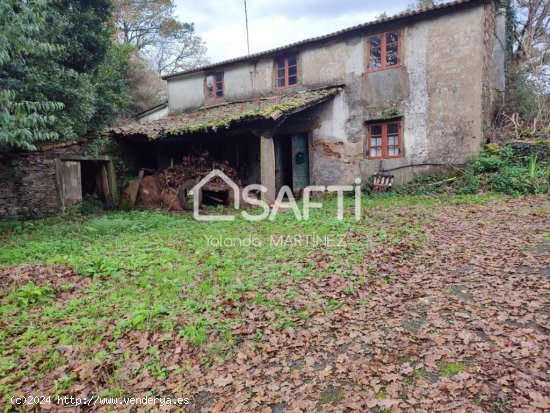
(442, 92)
(28, 186)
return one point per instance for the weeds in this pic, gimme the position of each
(197, 334)
(155, 274)
(511, 170)
(30, 294)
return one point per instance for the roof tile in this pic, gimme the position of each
(214, 118)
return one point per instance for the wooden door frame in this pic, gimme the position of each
(110, 175)
(307, 136)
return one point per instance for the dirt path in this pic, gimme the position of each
(466, 329)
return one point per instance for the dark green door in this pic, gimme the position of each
(300, 162)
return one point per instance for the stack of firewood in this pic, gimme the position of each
(164, 190)
(195, 167)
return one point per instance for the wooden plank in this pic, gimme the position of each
(133, 189)
(105, 185)
(71, 183)
(74, 157)
(59, 184)
(279, 163)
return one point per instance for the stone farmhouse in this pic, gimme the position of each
(407, 94)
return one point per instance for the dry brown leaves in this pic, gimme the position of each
(464, 328)
(466, 332)
(55, 276)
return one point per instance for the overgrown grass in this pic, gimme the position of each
(152, 271)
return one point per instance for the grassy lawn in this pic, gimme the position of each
(145, 283)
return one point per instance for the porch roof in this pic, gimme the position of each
(226, 115)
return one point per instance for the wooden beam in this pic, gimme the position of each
(105, 185)
(267, 166)
(113, 186)
(74, 157)
(59, 185)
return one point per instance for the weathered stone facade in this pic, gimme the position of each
(28, 184)
(443, 91)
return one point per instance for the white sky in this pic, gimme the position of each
(273, 23)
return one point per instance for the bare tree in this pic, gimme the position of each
(158, 36)
(532, 37)
(176, 49)
(531, 48)
(526, 112)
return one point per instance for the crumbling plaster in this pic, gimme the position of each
(437, 92)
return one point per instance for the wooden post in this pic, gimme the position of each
(59, 184)
(111, 175)
(105, 185)
(267, 165)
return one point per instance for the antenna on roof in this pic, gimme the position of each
(247, 37)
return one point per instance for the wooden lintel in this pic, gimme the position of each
(71, 157)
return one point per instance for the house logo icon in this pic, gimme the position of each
(196, 193)
(249, 197)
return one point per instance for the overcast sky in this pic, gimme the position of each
(274, 23)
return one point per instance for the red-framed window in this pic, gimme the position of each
(214, 86)
(286, 71)
(384, 140)
(384, 51)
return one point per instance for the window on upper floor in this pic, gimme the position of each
(214, 86)
(384, 140)
(286, 71)
(384, 51)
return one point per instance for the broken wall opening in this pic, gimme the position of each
(82, 178)
(241, 152)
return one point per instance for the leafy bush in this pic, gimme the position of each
(517, 169)
(487, 164)
(423, 185)
(511, 180)
(469, 183)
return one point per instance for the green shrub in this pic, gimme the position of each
(469, 183)
(423, 185)
(517, 169)
(487, 164)
(511, 180)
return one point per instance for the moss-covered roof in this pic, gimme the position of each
(226, 115)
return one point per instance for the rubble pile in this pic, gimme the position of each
(168, 190)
